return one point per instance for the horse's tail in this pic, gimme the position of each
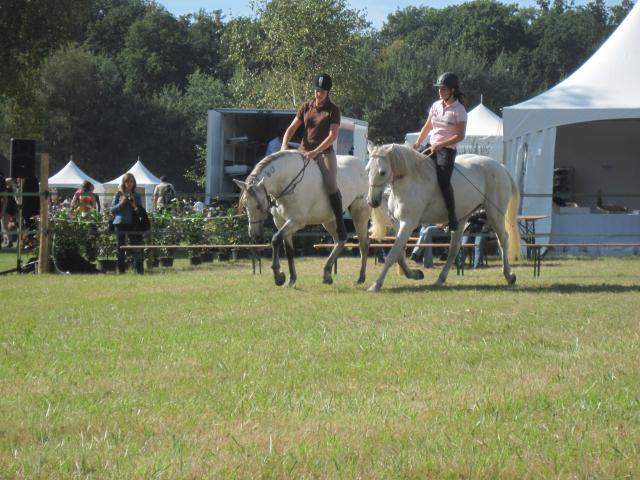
(511, 222)
(378, 228)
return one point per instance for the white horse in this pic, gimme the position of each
(291, 187)
(416, 199)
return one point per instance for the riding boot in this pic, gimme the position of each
(335, 199)
(450, 203)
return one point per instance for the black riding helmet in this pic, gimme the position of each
(323, 81)
(449, 80)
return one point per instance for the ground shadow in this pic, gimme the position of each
(553, 288)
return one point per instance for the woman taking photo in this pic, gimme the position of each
(125, 204)
(447, 122)
(321, 120)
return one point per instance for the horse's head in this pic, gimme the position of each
(380, 173)
(254, 198)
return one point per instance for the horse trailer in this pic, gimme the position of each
(237, 140)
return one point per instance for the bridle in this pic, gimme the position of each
(263, 210)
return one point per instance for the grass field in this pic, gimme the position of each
(212, 372)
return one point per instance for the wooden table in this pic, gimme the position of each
(527, 227)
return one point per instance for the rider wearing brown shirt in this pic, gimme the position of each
(321, 120)
(317, 120)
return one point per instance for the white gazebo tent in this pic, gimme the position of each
(483, 134)
(145, 181)
(589, 126)
(71, 176)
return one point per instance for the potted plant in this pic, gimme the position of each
(209, 238)
(193, 232)
(164, 231)
(230, 229)
(151, 258)
(75, 240)
(105, 246)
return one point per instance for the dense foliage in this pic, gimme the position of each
(106, 81)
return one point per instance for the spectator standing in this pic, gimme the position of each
(477, 230)
(84, 199)
(124, 206)
(9, 212)
(163, 194)
(3, 201)
(427, 234)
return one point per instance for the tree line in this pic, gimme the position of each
(106, 81)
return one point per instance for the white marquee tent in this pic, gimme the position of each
(588, 125)
(71, 176)
(483, 135)
(145, 180)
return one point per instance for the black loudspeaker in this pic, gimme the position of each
(23, 158)
(30, 203)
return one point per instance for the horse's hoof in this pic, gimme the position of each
(360, 280)
(438, 283)
(374, 288)
(512, 279)
(327, 280)
(290, 284)
(419, 274)
(279, 278)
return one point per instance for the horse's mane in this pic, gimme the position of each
(264, 163)
(404, 160)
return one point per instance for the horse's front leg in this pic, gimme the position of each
(412, 273)
(454, 248)
(360, 212)
(286, 231)
(398, 249)
(288, 247)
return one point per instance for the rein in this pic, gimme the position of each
(288, 190)
(291, 186)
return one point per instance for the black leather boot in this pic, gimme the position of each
(335, 199)
(450, 203)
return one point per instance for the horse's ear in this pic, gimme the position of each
(240, 184)
(387, 149)
(370, 146)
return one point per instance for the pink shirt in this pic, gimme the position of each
(444, 119)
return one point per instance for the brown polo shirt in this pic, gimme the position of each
(317, 123)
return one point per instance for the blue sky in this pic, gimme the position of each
(376, 10)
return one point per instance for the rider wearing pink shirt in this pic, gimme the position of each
(447, 122)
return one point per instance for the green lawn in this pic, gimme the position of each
(212, 372)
